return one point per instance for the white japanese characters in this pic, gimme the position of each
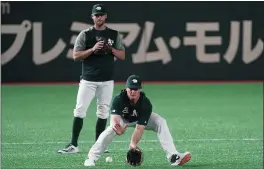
(240, 40)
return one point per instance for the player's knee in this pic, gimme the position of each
(162, 121)
(110, 130)
(79, 113)
(102, 111)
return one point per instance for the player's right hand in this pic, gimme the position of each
(118, 129)
(99, 45)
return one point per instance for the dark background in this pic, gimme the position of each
(170, 19)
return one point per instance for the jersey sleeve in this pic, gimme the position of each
(80, 42)
(115, 106)
(145, 114)
(119, 42)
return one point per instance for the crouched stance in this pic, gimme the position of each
(132, 108)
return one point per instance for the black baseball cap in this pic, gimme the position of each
(99, 9)
(133, 82)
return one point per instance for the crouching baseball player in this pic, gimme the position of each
(132, 108)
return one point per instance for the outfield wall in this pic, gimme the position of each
(168, 41)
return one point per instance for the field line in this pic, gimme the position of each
(142, 141)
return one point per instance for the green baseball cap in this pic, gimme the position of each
(99, 9)
(133, 82)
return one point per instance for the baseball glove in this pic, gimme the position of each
(107, 49)
(134, 157)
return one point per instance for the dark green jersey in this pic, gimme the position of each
(140, 112)
(98, 67)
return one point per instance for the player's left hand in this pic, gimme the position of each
(134, 157)
(108, 48)
(105, 48)
(132, 146)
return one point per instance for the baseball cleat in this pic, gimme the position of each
(106, 151)
(180, 159)
(89, 162)
(69, 149)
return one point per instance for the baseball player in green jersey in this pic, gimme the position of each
(132, 108)
(96, 47)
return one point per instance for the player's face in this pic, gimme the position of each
(99, 19)
(133, 94)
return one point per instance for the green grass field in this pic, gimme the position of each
(220, 124)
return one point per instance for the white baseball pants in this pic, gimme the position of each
(87, 91)
(156, 123)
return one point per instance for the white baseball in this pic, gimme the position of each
(108, 159)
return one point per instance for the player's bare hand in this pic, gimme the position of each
(118, 129)
(99, 45)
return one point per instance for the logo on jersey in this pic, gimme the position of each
(110, 42)
(125, 110)
(134, 113)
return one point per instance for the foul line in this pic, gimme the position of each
(142, 141)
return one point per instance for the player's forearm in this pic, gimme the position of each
(120, 54)
(80, 55)
(137, 134)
